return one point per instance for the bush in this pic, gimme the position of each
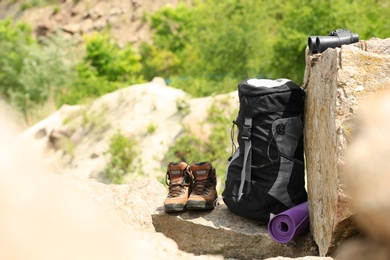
(158, 62)
(86, 85)
(115, 64)
(122, 151)
(15, 40)
(31, 72)
(104, 68)
(47, 69)
(201, 87)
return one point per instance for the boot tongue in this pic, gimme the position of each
(176, 172)
(201, 171)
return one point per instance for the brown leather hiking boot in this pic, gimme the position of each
(180, 184)
(204, 191)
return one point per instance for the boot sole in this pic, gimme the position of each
(199, 205)
(174, 208)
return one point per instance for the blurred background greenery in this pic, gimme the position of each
(204, 48)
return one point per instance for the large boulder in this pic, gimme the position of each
(336, 81)
(367, 175)
(153, 114)
(46, 215)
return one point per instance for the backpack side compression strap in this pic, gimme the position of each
(247, 164)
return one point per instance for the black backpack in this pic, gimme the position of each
(266, 173)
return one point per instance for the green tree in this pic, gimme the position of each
(47, 69)
(217, 43)
(122, 151)
(15, 38)
(32, 71)
(105, 67)
(319, 17)
(110, 61)
(158, 62)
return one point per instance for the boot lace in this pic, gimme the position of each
(201, 187)
(175, 189)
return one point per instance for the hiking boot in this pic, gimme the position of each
(180, 181)
(204, 191)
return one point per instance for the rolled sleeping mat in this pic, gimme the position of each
(289, 224)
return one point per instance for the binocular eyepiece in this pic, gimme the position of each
(318, 44)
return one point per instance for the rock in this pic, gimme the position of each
(221, 232)
(86, 26)
(45, 28)
(75, 17)
(367, 167)
(72, 28)
(79, 9)
(301, 258)
(72, 134)
(336, 82)
(362, 249)
(133, 203)
(100, 24)
(98, 11)
(159, 81)
(49, 216)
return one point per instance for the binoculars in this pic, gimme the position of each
(338, 37)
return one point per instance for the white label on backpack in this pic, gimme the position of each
(201, 172)
(267, 83)
(175, 172)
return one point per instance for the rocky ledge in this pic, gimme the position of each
(220, 232)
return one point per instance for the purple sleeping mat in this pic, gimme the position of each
(289, 224)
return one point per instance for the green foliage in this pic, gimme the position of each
(117, 65)
(204, 48)
(151, 128)
(231, 44)
(190, 148)
(213, 40)
(220, 142)
(182, 106)
(172, 26)
(67, 145)
(122, 151)
(187, 148)
(200, 87)
(158, 62)
(15, 39)
(215, 43)
(367, 18)
(31, 72)
(36, 3)
(105, 68)
(46, 70)
(93, 120)
(86, 85)
(56, 9)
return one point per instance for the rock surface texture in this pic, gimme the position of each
(223, 233)
(337, 82)
(367, 176)
(78, 18)
(46, 215)
(130, 111)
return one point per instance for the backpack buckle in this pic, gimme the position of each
(247, 129)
